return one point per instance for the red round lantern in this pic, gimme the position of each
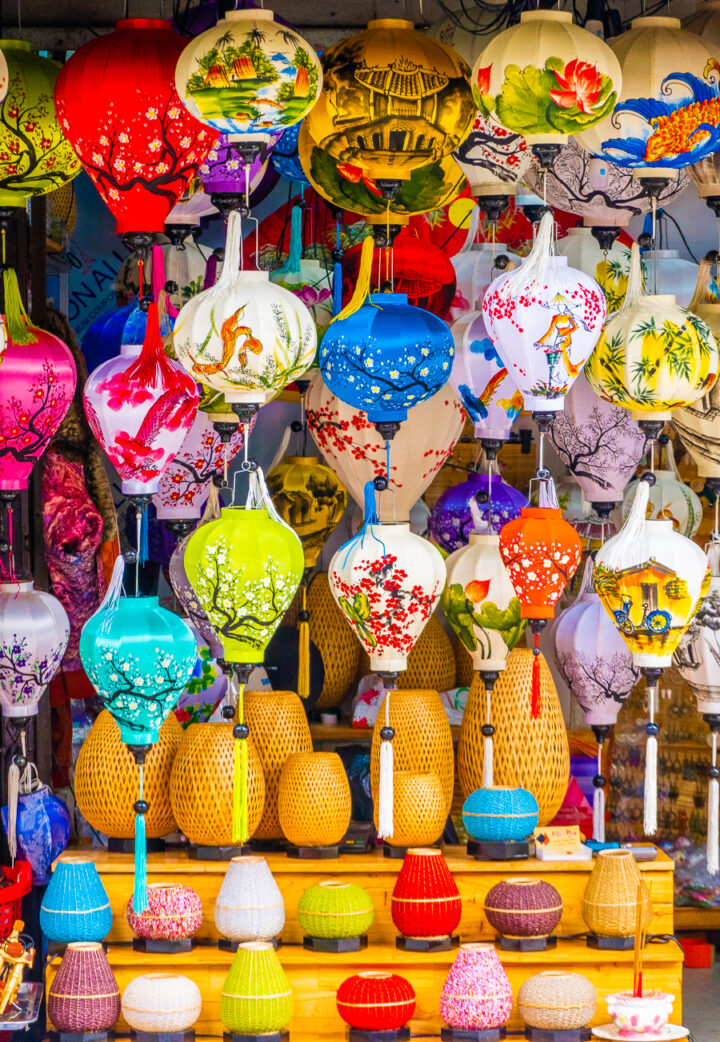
(425, 901)
(415, 266)
(117, 104)
(376, 1000)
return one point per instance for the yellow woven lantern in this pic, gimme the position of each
(201, 785)
(107, 782)
(314, 802)
(310, 498)
(419, 809)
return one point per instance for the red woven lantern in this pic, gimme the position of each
(425, 901)
(117, 104)
(376, 1000)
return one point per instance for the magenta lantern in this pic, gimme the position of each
(140, 406)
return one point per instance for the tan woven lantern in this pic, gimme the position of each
(528, 753)
(609, 904)
(423, 739)
(314, 802)
(419, 809)
(201, 786)
(335, 640)
(278, 726)
(107, 781)
(557, 1000)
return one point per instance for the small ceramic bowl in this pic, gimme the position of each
(636, 1016)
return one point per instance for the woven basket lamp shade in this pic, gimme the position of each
(75, 906)
(556, 1000)
(84, 996)
(256, 997)
(419, 809)
(314, 801)
(523, 906)
(528, 753)
(375, 1000)
(279, 727)
(425, 899)
(609, 904)
(174, 913)
(107, 780)
(335, 909)
(249, 905)
(431, 663)
(201, 785)
(335, 640)
(423, 739)
(161, 1003)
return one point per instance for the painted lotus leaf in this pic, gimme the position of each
(526, 104)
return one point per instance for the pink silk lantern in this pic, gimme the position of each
(140, 406)
(184, 484)
(37, 383)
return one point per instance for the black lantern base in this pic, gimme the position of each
(271, 1036)
(472, 1034)
(505, 850)
(335, 944)
(526, 944)
(82, 1036)
(313, 853)
(427, 944)
(610, 944)
(163, 1036)
(147, 944)
(395, 1035)
(127, 846)
(545, 1035)
(226, 945)
(200, 853)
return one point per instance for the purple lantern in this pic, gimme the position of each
(189, 601)
(451, 522)
(223, 173)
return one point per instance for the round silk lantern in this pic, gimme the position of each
(37, 384)
(493, 158)
(386, 357)
(140, 407)
(482, 383)
(387, 582)
(249, 76)
(666, 112)
(419, 269)
(118, 107)
(599, 443)
(245, 337)
(189, 601)
(285, 158)
(670, 500)
(544, 319)
(653, 356)
(35, 158)
(546, 78)
(393, 100)
(584, 252)
(310, 498)
(357, 452)
(668, 272)
(452, 520)
(34, 631)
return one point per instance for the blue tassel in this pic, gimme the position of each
(337, 274)
(370, 518)
(140, 898)
(144, 549)
(295, 249)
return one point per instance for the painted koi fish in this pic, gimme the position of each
(230, 333)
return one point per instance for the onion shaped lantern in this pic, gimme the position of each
(34, 632)
(140, 407)
(544, 319)
(393, 100)
(482, 497)
(670, 500)
(310, 498)
(118, 107)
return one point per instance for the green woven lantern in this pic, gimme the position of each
(256, 998)
(335, 910)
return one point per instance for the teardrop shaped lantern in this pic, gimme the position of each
(34, 632)
(245, 337)
(544, 318)
(310, 498)
(140, 407)
(37, 384)
(35, 157)
(118, 106)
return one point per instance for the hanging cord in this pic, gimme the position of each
(599, 802)
(650, 792)
(490, 502)
(488, 732)
(303, 675)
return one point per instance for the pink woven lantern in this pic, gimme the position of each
(37, 383)
(140, 406)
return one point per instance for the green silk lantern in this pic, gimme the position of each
(244, 568)
(35, 156)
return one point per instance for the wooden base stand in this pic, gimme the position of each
(500, 851)
(216, 853)
(398, 853)
(163, 1036)
(226, 945)
(58, 948)
(427, 944)
(526, 944)
(335, 944)
(314, 853)
(147, 944)
(396, 1035)
(127, 846)
(544, 1035)
(472, 1034)
(84, 1036)
(271, 1036)
(610, 944)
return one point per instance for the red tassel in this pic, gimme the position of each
(153, 367)
(535, 698)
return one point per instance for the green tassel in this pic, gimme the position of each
(18, 324)
(295, 248)
(140, 898)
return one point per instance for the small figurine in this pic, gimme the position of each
(16, 953)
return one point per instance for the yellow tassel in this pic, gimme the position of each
(240, 772)
(303, 679)
(362, 286)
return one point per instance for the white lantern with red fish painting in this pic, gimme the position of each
(140, 406)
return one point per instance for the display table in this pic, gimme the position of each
(315, 977)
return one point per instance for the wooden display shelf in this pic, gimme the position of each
(377, 875)
(315, 979)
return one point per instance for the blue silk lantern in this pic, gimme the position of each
(107, 334)
(451, 520)
(285, 159)
(385, 357)
(139, 657)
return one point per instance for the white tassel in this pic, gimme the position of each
(487, 776)
(472, 232)
(599, 805)
(13, 794)
(627, 549)
(713, 837)
(547, 495)
(385, 787)
(535, 266)
(650, 800)
(635, 280)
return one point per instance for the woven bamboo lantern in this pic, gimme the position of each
(609, 903)
(419, 810)
(84, 996)
(201, 785)
(423, 740)
(556, 1000)
(530, 753)
(375, 1000)
(279, 727)
(335, 910)
(161, 1003)
(522, 907)
(425, 900)
(107, 781)
(314, 802)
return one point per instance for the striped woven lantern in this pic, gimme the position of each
(523, 907)
(75, 906)
(556, 1000)
(500, 814)
(333, 910)
(174, 913)
(375, 1000)
(476, 995)
(84, 996)
(425, 899)
(256, 998)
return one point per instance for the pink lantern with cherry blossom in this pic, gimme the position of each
(140, 406)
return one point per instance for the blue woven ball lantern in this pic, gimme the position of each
(499, 815)
(386, 357)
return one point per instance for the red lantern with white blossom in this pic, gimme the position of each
(140, 406)
(118, 107)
